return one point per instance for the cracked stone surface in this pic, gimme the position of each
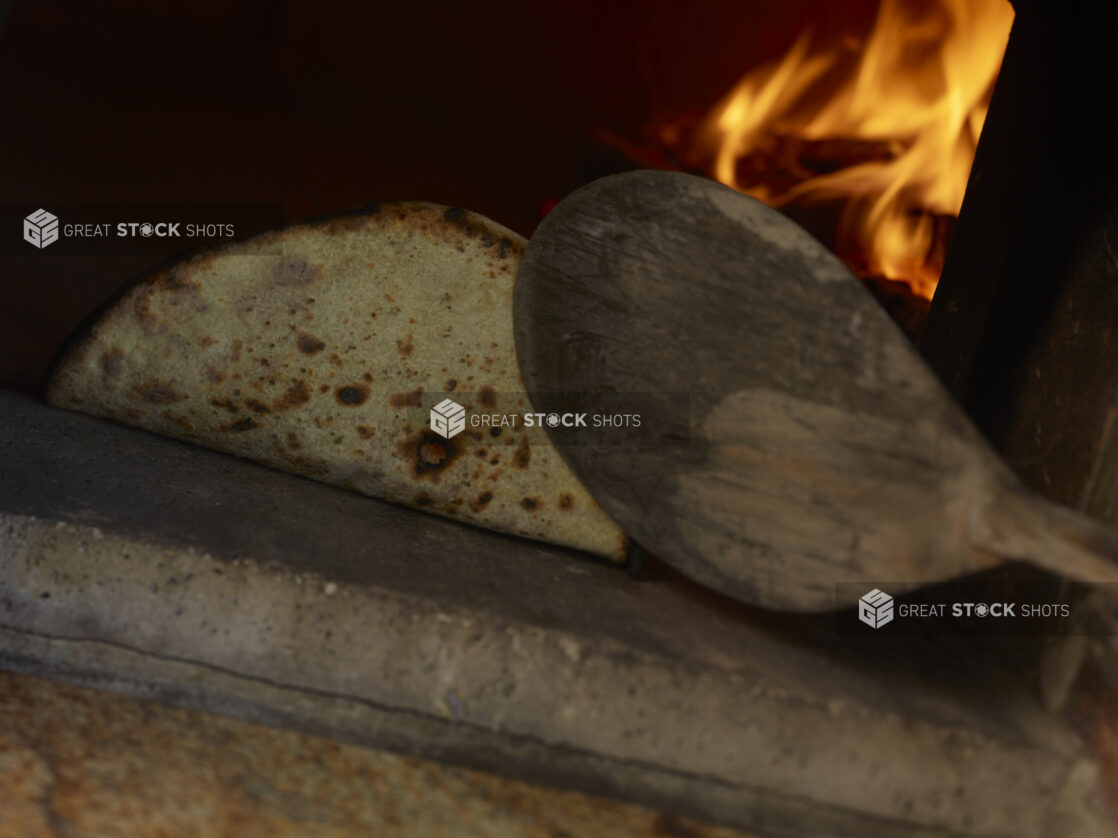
(163, 571)
(77, 762)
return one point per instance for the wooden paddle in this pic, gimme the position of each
(820, 448)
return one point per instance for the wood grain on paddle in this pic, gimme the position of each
(821, 449)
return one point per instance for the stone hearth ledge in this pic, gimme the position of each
(161, 570)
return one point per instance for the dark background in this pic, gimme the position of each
(502, 107)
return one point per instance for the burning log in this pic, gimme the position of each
(882, 125)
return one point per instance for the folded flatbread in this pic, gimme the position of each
(322, 348)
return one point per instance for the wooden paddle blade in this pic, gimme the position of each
(820, 450)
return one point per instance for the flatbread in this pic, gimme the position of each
(321, 349)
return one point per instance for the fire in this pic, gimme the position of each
(895, 119)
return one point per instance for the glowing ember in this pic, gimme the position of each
(884, 128)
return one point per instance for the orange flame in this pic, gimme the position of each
(916, 90)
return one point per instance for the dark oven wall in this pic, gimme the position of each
(498, 107)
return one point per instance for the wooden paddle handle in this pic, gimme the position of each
(1021, 525)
